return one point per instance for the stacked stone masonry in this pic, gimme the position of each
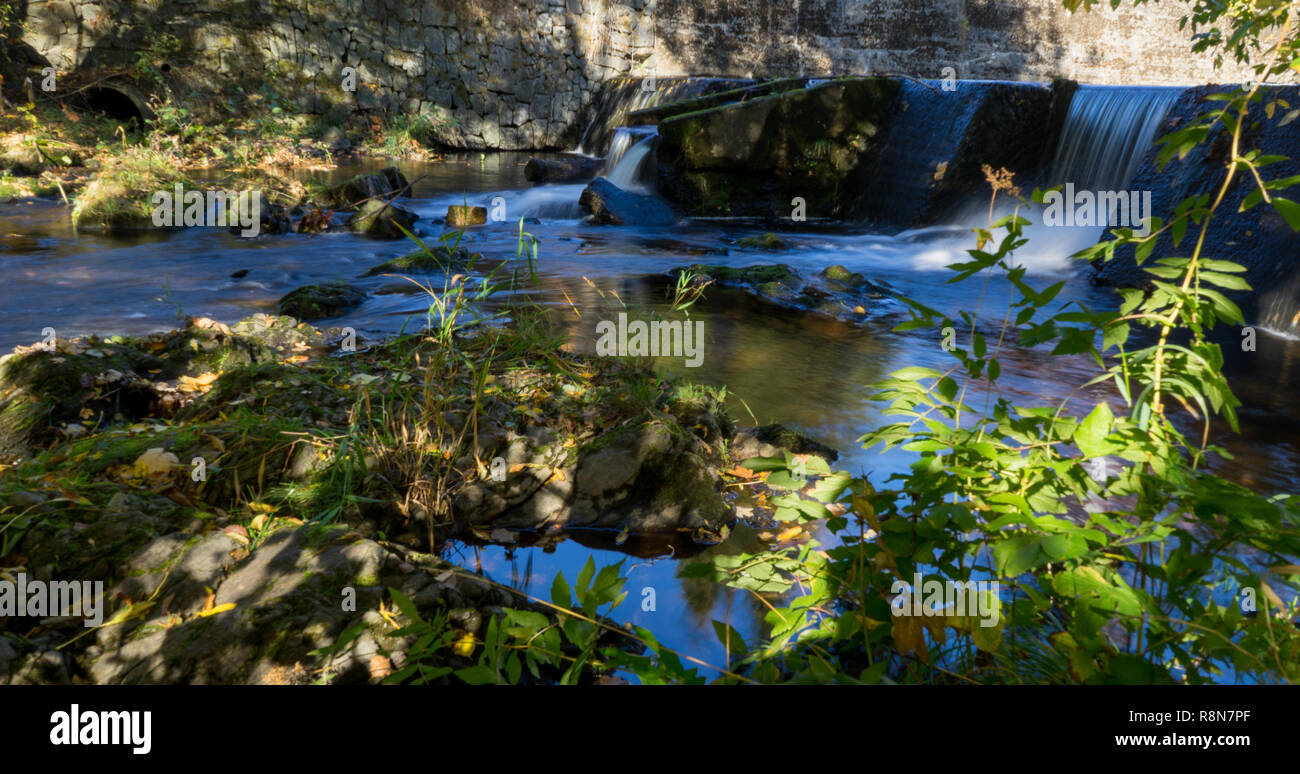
(517, 74)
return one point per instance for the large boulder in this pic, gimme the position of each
(440, 258)
(50, 390)
(608, 204)
(893, 151)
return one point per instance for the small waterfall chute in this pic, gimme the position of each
(627, 155)
(1108, 130)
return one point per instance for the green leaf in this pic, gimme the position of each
(730, 639)
(913, 373)
(405, 604)
(1090, 435)
(1089, 585)
(1016, 556)
(476, 675)
(1288, 210)
(1115, 334)
(561, 595)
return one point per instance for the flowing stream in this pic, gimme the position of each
(777, 366)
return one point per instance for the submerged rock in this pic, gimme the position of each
(316, 302)
(768, 241)
(441, 259)
(382, 219)
(461, 216)
(770, 440)
(562, 169)
(608, 204)
(836, 292)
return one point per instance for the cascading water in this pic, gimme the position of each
(627, 155)
(1107, 131)
(1279, 308)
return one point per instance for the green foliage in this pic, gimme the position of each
(1126, 560)
(1142, 572)
(149, 60)
(405, 133)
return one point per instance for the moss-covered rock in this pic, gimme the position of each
(835, 293)
(119, 196)
(843, 277)
(768, 241)
(78, 383)
(382, 219)
(441, 258)
(758, 274)
(349, 194)
(317, 302)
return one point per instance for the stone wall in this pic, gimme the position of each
(518, 73)
(1021, 40)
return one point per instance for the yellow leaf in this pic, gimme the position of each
(909, 635)
(217, 609)
(464, 646)
(155, 462)
(136, 610)
(789, 534)
(936, 626)
(201, 383)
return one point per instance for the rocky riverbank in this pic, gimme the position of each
(248, 494)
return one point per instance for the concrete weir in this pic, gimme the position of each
(889, 151)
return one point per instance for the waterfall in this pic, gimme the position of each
(1279, 311)
(1108, 130)
(627, 155)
